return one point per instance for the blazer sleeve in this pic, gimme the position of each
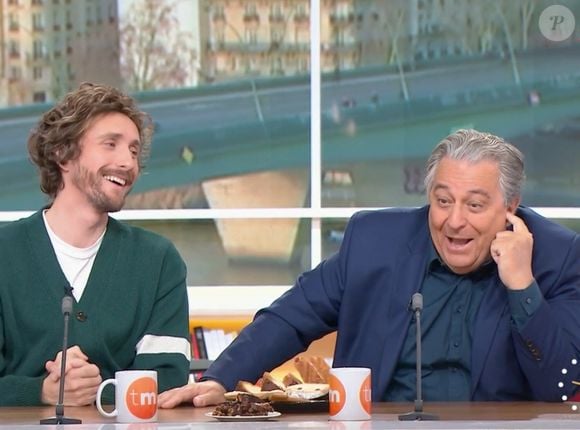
(550, 339)
(306, 312)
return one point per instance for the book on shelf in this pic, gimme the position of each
(200, 341)
(194, 347)
(209, 343)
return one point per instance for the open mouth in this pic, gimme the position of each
(116, 180)
(458, 244)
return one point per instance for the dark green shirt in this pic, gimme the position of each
(450, 303)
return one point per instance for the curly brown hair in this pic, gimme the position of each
(56, 137)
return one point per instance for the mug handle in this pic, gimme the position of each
(103, 412)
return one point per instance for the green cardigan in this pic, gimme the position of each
(136, 288)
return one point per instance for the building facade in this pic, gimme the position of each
(272, 38)
(49, 47)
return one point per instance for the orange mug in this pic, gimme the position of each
(135, 396)
(349, 394)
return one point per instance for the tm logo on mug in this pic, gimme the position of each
(350, 393)
(141, 398)
(135, 396)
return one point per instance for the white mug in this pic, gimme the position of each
(349, 394)
(135, 396)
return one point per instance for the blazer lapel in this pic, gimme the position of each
(487, 319)
(410, 269)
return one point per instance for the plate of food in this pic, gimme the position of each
(244, 407)
(268, 416)
(292, 393)
(303, 398)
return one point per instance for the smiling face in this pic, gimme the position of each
(108, 165)
(466, 211)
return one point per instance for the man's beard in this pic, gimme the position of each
(91, 184)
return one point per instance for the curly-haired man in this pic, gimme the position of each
(130, 308)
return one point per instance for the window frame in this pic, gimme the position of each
(244, 300)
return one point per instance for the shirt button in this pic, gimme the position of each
(459, 309)
(455, 344)
(528, 300)
(81, 316)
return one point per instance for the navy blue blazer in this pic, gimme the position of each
(363, 292)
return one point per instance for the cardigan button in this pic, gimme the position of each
(81, 316)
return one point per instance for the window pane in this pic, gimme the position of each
(227, 86)
(332, 235)
(401, 75)
(239, 251)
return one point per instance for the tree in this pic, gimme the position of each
(527, 11)
(394, 25)
(472, 25)
(155, 54)
(387, 35)
(508, 36)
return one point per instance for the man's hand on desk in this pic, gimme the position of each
(204, 393)
(81, 383)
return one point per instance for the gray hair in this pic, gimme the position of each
(475, 146)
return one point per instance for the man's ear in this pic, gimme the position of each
(513, 206)
(64, 165)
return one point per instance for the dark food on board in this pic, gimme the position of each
(243, 405)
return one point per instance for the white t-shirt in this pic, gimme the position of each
(76, 263)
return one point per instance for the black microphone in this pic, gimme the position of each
(67, 307)
(418, 415)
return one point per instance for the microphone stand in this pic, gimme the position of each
(67, 306)
(418, 414)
